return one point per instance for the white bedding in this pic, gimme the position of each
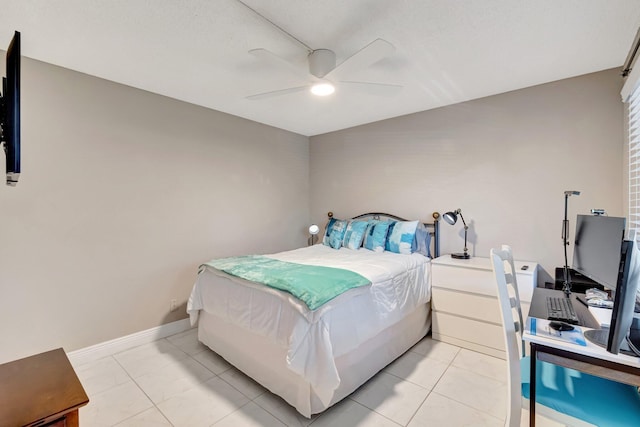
(313, 339)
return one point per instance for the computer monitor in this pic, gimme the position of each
(622, 337)
(597, 248)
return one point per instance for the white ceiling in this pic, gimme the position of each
(446, 51)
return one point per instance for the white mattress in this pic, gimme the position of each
(314, 339)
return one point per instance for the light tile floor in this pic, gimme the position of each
(177, 381)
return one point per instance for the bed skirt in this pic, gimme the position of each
(265, 362)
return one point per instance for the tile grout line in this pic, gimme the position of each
(449, 364)
(140, 388)
(419, 406)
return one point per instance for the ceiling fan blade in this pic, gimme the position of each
(368, 55)
(276, 93)
(378, 89)
(278, 62)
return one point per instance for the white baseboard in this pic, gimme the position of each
(108, 348)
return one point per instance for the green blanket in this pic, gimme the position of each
(314, 285)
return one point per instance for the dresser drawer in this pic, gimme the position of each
(461, 279)
(479, 307)
(469, 330)
(478, 281)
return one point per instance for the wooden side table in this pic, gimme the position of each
(40, 390)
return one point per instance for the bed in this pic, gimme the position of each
(312, 352)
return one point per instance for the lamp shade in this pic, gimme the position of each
(314, 229)
(450, 217)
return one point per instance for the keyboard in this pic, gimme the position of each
(560, 308)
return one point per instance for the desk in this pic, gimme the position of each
(591, 359)
(40, 390)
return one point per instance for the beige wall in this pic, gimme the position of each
(123, 193)
(504, 160)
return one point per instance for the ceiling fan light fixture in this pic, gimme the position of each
(322, 89)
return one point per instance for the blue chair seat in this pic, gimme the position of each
(592, 399)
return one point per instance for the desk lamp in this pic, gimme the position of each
(452, 218)
(313, 231)
(566, 285)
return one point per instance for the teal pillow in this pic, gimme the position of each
(327, 232)
(376, 235)
(401, 237)
(354, 234)
(337, 233)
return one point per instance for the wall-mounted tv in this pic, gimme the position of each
(10, 111)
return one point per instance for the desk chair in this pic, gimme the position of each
(564, 395)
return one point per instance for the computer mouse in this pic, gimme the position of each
(560, 326)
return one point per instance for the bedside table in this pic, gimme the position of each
(41, 390)
(464, 302)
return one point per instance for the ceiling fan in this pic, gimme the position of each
(324, 75)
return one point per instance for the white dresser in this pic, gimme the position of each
(465, 302)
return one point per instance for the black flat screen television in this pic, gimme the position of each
(10, 111)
